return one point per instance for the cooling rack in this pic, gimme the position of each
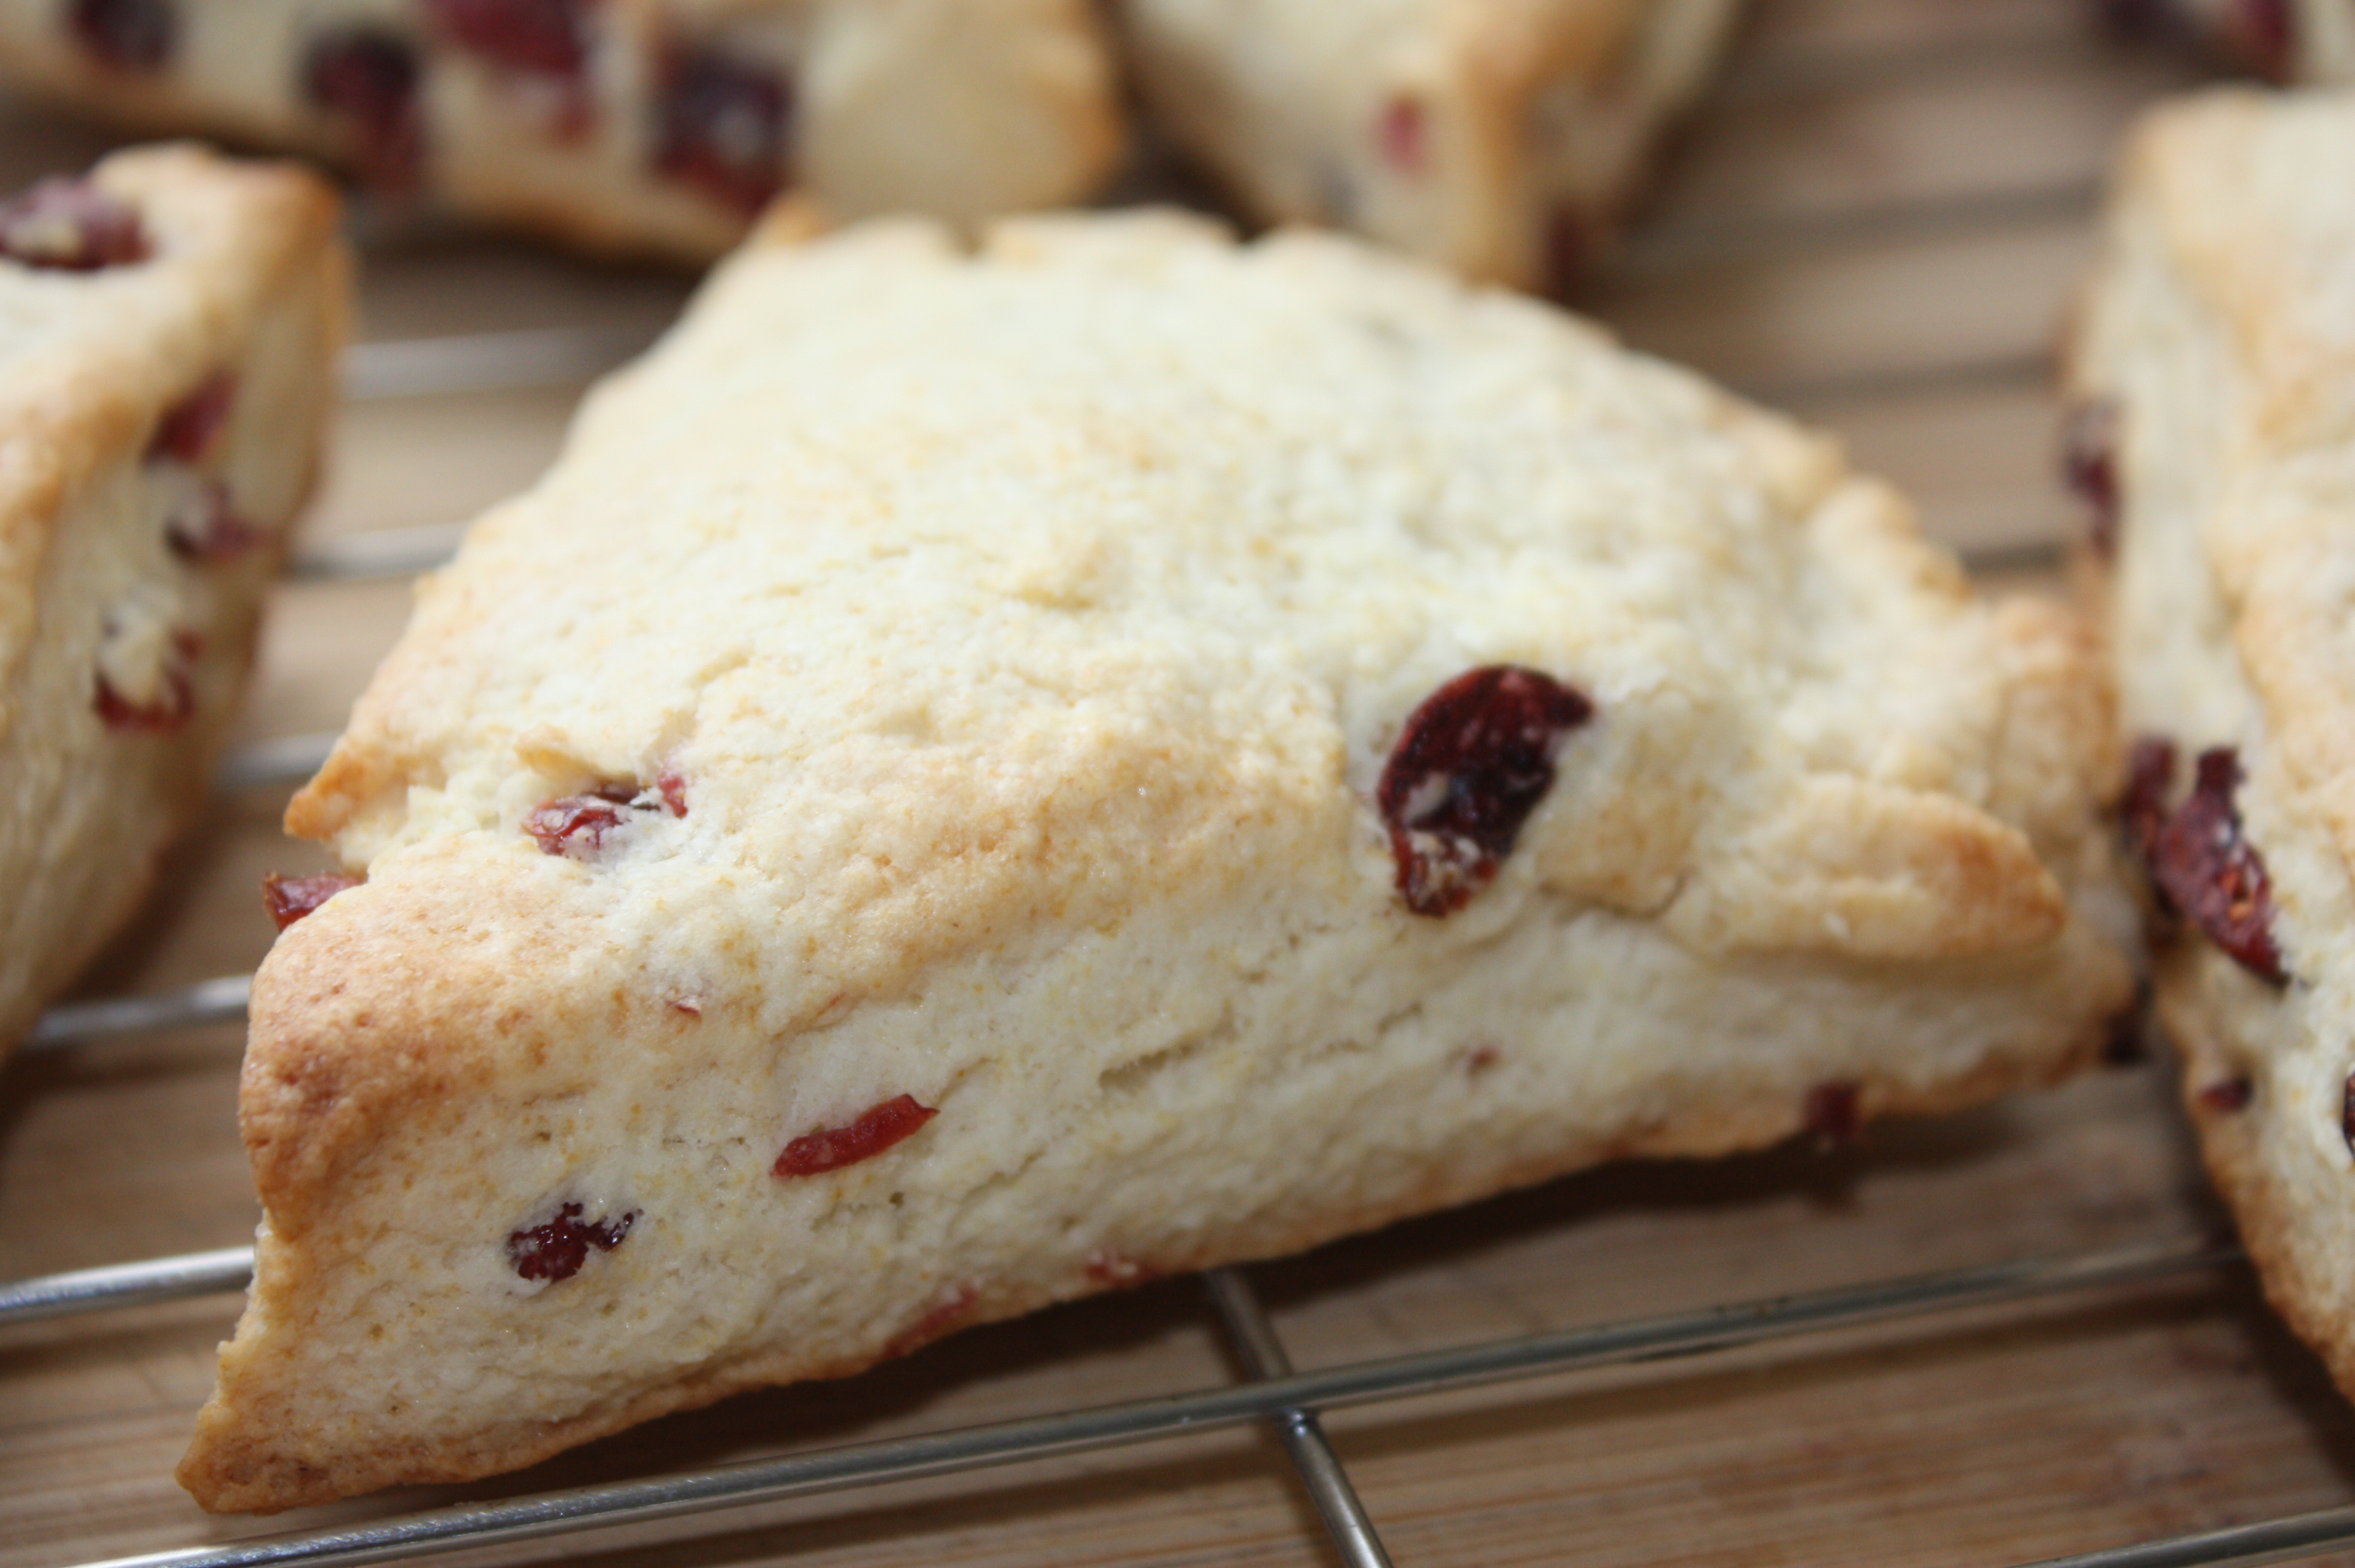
(1876, 224)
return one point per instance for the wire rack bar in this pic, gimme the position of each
(486, 361)
(220, 1000)
(125, 1284)
(1107, 1427)
(376, 554)
(2241, 1546)
(1263, 1355)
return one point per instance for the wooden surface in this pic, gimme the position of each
(1877, 221)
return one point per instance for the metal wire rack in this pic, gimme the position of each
(1287, 1401)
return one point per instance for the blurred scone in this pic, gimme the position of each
(2289, 40)
(1501, 137)
(2214, 374)
(168, 334)
(983, 777)
(660, 126)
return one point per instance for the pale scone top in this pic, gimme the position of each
(89, 361)
(973, 592)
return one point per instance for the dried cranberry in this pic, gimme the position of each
(557, 1250)
(1834, 1112)
(1402, 134)
(721, 126)
(547, 37)
(831, 1148)
(1481, 1058)
(289, 899)
(70, 225)
(190, 426)
(1473, 762)
(203, 530)
(2263, 32)
(2227, 1094)
(171, 710)
(127, 35)
(172, 706)
(2089, 460)
(368, 76)
(579, 825)
(944, 1315)
(672, 786)
(2150, 777)
(2214, 875)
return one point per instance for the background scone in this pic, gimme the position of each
(2215, 372)
(642, 125)
(2290, 40)
(982, 778)
(1499, 136)
(169, 328)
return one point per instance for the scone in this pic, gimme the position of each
(168, 334)
(1501, 137)
(2214, 369)
(2289, 40)
(982, 777)
(658, 126)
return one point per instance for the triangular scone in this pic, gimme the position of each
(169, 325)
(2215, 372)
(979, 778)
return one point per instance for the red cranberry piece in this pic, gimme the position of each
(2264, 33)
(1481, 1058)
(944, 1315)
(831, 1148)
(2228, 1094)
(289, 899)
(1834, 1114)
(579, 825)
(721, 126)
(190, 426)
(2214, 875)
(368, 76)
(2089, 460)
(557, 1250)
(545, 38)
(70, 225)
(1402, 135)
(172, 707)
(1474, 761)
(2150, 777)
(126, 34)
(204, 531)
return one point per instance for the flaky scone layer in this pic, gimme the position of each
(994, 663)
(121, 655)
(2219, 342)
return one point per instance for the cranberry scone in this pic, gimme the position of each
(980, 777)
(169, 327)
(657, 126)
(2214, 372)
(2289, 40)
(1501, 137)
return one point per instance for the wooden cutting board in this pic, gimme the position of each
(1877, 222)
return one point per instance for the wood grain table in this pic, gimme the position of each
(1877, 222)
